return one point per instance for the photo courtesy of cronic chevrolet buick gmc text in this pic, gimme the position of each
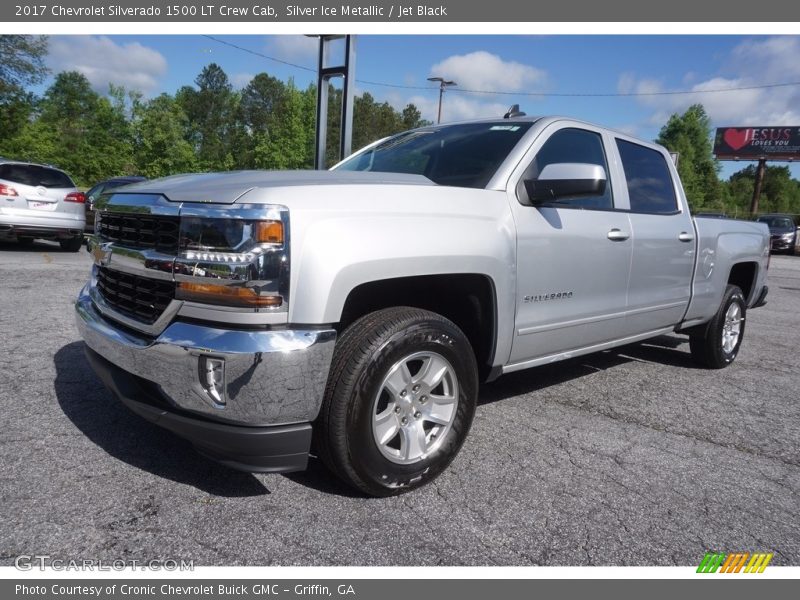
(352, 313)
(40, 201)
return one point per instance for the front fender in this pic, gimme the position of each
(334, 255)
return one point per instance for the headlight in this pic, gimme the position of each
(228, 236)
(787, 237)
(240, 259)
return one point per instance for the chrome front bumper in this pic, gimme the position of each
(270, 377)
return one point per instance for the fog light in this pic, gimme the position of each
(212, 379)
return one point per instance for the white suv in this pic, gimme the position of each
(40, 201)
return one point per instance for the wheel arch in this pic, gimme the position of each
(467, 299)
(744, 275)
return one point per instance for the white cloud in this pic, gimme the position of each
(751, 63)
(484, 71)
(478, 70)
(294, 48)
(103, 61)
(455, 107)
(240, 80)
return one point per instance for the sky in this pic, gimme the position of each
(520, 65)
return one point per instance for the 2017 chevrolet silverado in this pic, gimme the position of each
(254, 313)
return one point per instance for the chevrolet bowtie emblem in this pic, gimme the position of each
(101, 254)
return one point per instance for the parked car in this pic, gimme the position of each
(40, 201)
(783, 232)
(104, 186)
(360, 307)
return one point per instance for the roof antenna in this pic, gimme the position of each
(513, 111)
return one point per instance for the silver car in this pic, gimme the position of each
(40, 201)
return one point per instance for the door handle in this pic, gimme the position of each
(685, 236)
(617, 235)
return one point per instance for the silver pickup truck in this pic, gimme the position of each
(352, 313)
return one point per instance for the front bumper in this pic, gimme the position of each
(780, 244)
(271, 389)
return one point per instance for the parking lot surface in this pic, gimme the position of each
(628, 457)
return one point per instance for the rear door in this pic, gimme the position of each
(573, 255)
(663, 239)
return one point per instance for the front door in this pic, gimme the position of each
(573, 255)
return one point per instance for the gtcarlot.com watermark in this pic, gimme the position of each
(42, 562)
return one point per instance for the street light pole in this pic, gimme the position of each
(443, 83)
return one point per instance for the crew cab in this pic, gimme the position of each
(257, 313)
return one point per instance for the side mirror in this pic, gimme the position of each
(566, 180)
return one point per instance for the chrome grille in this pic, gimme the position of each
(141, 231)
(139, 297)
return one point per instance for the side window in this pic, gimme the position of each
(650, 184)
(571, 146)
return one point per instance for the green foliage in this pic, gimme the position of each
(160, 130)
(285, 144)
(779, 192)
(690, 135)
(270, 124)
(21, 65)
(373, 121)
(211, 109)
(75, 128)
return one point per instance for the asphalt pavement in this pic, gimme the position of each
(628, 457)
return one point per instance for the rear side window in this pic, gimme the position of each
(35, 175)
(649, 181)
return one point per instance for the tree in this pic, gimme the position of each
(211, 109)
(159, 132)
(285, 145)
(690, 134)
(21, 65)
(412, 118)
(83, 133)
(258, 111)
(779, 192)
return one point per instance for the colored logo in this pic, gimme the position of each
(736, 138)
(736, 562)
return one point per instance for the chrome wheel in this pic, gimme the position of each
(415, 407)
(731, 327)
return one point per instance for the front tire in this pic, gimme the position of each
(399, 402)
(716, 344)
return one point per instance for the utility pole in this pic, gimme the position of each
(443, 83)
(760, 172)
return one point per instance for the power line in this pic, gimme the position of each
(254, 53)
(461, 90)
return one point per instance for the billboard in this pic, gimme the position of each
(754, 143)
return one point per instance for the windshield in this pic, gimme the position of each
(465, 155)
(777, 222)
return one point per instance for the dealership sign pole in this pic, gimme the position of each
(758, 144)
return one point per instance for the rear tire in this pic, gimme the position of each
(399, 402)
(716, 344)
(72, 244)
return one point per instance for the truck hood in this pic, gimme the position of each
(226, 188)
